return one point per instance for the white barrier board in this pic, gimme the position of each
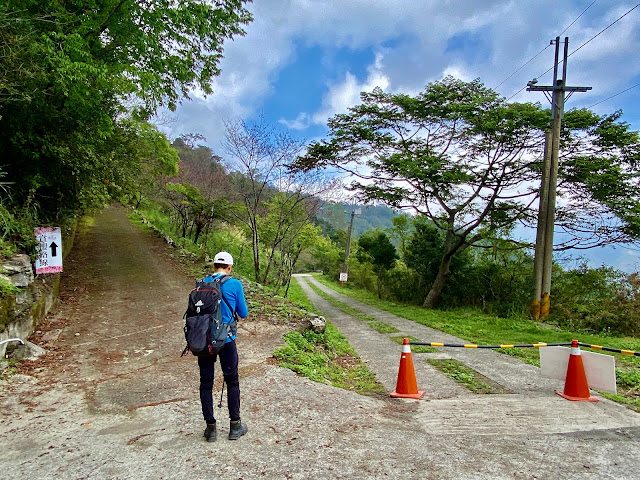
(600, 369)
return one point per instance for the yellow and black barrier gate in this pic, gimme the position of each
(526, 345)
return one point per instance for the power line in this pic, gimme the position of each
(541, 51)
(619, 93)
(585, 43)
(601, 31)
(578, 17)
(527, 63)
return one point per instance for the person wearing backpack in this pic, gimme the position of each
(233, 304)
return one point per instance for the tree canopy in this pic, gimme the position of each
(467, 160)
(76, 76)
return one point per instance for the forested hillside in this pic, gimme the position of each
(336, 216)
(79, 84)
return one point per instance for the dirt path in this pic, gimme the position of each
(113, 400)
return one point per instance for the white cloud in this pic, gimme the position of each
(458, 71)
(416, 44)
(301, 122)
(340, 97)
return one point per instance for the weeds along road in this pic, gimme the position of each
(112, 399)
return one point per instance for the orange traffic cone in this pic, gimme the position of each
(406, 386)
(576, 387)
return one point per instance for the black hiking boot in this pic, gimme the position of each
(210, 432)
(237, 429)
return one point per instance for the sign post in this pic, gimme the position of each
(49, 258)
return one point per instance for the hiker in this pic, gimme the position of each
(234, 301)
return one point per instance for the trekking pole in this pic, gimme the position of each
(221, 393)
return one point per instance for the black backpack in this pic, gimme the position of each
(204, 331)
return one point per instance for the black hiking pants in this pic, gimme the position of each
(229, 362)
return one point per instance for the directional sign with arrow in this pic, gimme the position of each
(49, 252)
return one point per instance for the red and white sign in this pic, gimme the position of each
(49, 258)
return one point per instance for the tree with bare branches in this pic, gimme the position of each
(275, 200)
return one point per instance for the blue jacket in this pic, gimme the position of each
(233, 293)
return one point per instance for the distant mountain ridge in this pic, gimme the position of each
(338, 215)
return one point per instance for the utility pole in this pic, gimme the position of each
(543, 260)
(345, 266)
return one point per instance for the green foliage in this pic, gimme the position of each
(16, 231)
(401, 231)
(362, 275)
(496, 278)
(6, 287)
(601, 300)
(424, 249)
(326, 358)
(69, 74)
(376, 248)
(404, 284)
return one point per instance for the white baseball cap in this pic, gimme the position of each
(223, 257)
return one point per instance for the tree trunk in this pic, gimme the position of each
(269, 264)
(256, 254)
(438, 284)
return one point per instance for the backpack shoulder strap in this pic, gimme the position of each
(223, 279)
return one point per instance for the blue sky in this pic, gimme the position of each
(303, 61)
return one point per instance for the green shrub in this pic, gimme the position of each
(16, 232)
(6, 287)
(601, 300)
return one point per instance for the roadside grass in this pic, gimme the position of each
(482, 329)
(382, 327)
(297, 296)
(472, 380)
(327, 358)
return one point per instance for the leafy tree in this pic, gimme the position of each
(496, 278)
(599, 172)
(193, 212)
(601, 299)
(72, 71)
(306, 236)
(467, 160)
(376, 248)
(140, 156)
(402, 227)
(281, 233)
(424, 249)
